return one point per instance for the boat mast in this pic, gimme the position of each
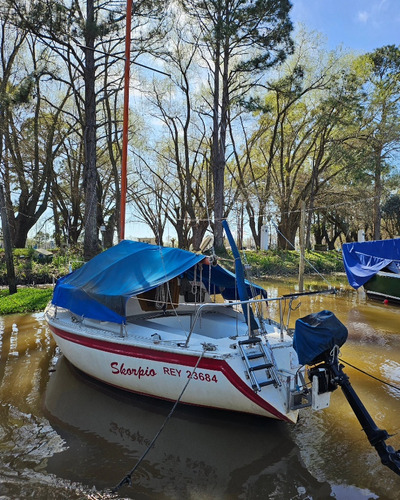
(241, 285)
(125, 120)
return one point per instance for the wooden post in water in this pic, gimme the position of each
(302, 245)
(12, 283)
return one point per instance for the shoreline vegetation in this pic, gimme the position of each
(36, 272)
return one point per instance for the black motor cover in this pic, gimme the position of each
(317, 333)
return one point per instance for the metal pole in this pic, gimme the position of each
(126, 120)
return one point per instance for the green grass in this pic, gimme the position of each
(286, 262)
(25, 300)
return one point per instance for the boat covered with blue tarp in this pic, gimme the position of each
(102, 286)
(363, 260)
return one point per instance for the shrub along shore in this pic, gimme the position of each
(35, 269)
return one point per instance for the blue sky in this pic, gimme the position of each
(361, 25)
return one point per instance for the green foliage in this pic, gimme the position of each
(23, 252)
(30, 271)
(286, 262)
(269, 263)
(391, 212)
(25, 300)
(23, 92)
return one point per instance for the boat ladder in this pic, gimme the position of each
(260, 368)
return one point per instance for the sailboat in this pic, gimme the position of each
(173, 324)
(157, 320)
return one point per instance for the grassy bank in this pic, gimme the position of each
(25, 300)
(30, 272)
(286, 262)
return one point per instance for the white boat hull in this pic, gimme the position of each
(162, 371)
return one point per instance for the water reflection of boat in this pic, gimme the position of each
(376, 266)
(195, 456)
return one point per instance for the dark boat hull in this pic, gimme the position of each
(384, 286)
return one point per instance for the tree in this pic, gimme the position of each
(28, 129)
(183, 146)
(12, 283)
(306, 128)
(382, 110)
(67, 196)
(77, 36)
(11, 44)
(240, 40)
(251, 173)
(391, 214)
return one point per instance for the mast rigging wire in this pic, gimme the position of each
(370, 375)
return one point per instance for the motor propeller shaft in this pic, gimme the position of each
(376, 436)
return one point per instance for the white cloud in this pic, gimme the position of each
(377, 13)
(363, 16)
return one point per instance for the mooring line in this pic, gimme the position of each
(128, 477)
(369, 375)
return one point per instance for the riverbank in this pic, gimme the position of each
(27, 299)
(286, 262)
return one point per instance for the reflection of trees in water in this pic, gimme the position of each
(335, 449)
(26, 438)
(25, 356)
(200, 453)
(5, 348)
(284, 478)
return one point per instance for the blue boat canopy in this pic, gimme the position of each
(363, 260)
(101, 287)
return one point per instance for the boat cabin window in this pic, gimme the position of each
(162, 298)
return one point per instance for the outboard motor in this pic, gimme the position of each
(317, 340)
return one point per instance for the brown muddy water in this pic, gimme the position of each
(62, 435)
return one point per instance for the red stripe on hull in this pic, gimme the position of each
(172, 358)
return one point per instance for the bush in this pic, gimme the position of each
(29, 271)
(23, 252)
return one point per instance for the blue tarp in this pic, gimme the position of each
(363, 260)
(101, 288)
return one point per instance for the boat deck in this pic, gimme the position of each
(211, 324)
(221, 327)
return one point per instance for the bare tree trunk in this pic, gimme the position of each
(287, 231)
(12, 284)
(378, 195)
(302, 245)
(218, 166)
(91, 244)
